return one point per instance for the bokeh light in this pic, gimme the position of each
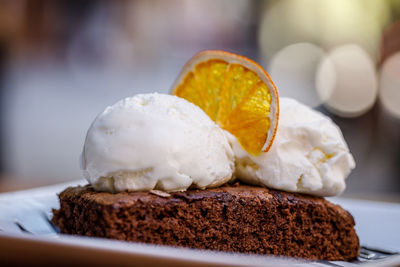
(293, 71)
(326, 23)
(346, 81)
(389, 85)
(390, 41)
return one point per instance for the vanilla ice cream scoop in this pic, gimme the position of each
(309, 154)
(155, 141)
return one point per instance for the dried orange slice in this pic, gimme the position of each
(236, 93)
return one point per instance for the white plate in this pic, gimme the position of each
(377, 225)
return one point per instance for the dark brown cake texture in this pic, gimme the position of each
(236, 218)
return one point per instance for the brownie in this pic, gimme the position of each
(235, 218)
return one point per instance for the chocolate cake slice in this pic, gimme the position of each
(237, 218)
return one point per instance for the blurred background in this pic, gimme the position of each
(63, 62)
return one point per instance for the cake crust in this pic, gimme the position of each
(238, 218)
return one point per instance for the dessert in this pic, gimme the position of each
(309, 154)
(162, 170)
(237, 218)
(155, 141)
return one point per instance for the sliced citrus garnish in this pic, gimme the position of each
(236, 93)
